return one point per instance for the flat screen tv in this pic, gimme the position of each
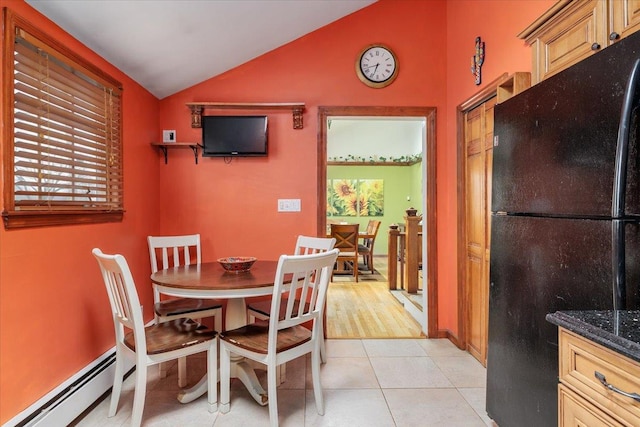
(234, 136)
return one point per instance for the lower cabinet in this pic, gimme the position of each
(583, 399)
(578, 412)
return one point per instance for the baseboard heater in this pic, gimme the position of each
(70, 399)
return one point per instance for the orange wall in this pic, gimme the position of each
(498, 23)
(54, 311)
(434, 41)
(234, 205)
(47, 275)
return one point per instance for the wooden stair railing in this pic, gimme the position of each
(408, 250)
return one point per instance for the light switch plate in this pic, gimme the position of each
(288, 205)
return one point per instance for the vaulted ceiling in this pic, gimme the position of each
(169, 45)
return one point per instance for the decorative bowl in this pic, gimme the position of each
(237, 264)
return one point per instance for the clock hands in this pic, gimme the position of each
(369, 66)
(371, 73)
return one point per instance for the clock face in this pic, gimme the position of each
(377, 66)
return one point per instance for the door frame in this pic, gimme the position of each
(477, 99)
(429, 115)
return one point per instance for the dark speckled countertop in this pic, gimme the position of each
(615, 330)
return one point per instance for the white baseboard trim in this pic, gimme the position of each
(71, 398)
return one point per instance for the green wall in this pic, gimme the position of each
(400, 182)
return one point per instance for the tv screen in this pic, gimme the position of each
(226, 136)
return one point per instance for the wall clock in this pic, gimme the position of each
(377, 66)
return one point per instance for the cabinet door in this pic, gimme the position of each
(625, 17)
(573, 411)
(580, 359)
(576, 32)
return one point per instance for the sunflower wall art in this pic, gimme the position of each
(355, 197)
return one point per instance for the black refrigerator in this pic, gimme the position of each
(565, 230)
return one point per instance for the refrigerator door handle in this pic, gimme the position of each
(618, 264)
(629, 104)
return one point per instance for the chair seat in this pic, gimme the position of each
(363, 248)
(255, 337)
(264, 307)
(182, 306)
(172, 335)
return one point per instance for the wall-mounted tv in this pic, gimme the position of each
(234, 136)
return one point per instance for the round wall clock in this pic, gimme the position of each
(376, 66)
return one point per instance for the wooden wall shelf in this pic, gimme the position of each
(164, 147)
(198, 107)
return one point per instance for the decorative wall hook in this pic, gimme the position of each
(477, 60)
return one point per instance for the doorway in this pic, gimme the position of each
(428, 114)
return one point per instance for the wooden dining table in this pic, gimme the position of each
(210, 280)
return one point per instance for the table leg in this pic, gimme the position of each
(236, 317)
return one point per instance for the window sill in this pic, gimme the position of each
(27, 219)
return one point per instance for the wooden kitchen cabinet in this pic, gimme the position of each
(578, 412)
(572, 30)
(583, 400)
(625, 17)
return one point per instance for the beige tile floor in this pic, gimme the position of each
(368, 383)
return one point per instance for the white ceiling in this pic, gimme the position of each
(167, 46)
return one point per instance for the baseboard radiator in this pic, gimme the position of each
(71, 398)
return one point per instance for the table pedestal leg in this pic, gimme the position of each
(236, 317)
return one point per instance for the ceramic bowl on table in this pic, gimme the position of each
(237, 264)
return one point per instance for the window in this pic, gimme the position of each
(63, 142)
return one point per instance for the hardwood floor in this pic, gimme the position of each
(367, 309)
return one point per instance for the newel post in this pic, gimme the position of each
(413, 250)
(392, 256)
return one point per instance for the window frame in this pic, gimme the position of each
(15, 217)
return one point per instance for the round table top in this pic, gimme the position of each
(210, 276)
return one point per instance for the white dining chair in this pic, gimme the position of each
(304, 245)
(283, 338)
(160, 342)
(174, 251)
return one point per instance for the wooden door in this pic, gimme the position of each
(478, 141)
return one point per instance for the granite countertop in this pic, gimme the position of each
(615, 330)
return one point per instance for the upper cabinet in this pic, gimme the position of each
(625, 17)
(574, 29)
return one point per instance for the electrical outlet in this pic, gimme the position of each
(288, 205)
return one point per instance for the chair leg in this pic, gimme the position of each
(370, 262)
(225, 377)
(117, 384)
(272, 388)
(355, 269)
(212, 376)
(323, 350)
(182, 372)
(139, 393)
(162, 368)
(217, 322)
(317, 386)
